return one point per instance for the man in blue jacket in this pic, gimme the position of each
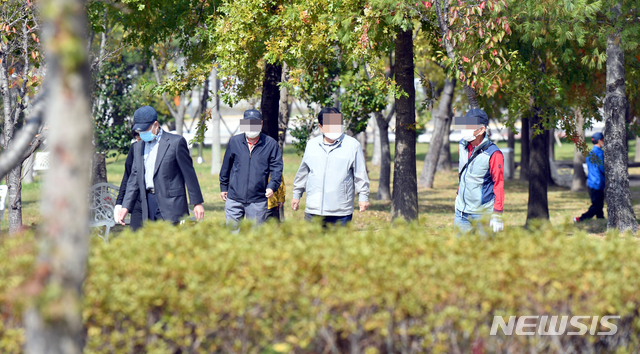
(244, 177)
(595, 180)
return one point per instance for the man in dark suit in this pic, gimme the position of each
(162, 166)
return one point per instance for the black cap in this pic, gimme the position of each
(480, 116)
(143, 118)
(252, 114)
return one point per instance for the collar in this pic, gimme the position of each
(158, 136)
(482, 143)
(334, 142)
(246, 139)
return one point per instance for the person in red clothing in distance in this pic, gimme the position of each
(480, 172)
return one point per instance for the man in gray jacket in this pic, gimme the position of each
(332, 170)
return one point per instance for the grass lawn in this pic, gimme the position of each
(436, 206)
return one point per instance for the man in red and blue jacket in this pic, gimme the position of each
(481, 173)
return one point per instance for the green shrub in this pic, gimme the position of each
(392, 287)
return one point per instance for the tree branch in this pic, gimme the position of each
(14, 154)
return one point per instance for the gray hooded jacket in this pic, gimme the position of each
(331, 174)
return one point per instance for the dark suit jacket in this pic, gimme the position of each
(173, 169)
(136, 212)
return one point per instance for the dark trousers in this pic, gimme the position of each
(343, 220)
(154, 209)
(597, 204)
(273, 213)
(136, 216)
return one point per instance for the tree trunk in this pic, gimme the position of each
(405, 184)
(384, 185)
(269, 105)
(440, 117)
(579, 182)
(524, 150)
(511, 140)
(552, 169)
(54, 326)
(284, 111)
(619, 207)
(444, 160)
(182, 110)
(362, 138)
(14, 178)
(14, 199)
(99, 168)
(376, 156)
(216, 152)
(538, 207)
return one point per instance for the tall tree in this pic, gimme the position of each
(284, 111)
(538, 205)
(524, 148)
(216, 157)
(441, 115)
(55, 324)
(405, 187)
(619, 207)
(270, 101)
(444, 160)
(384, 184)
(579, 180)
(19, 62)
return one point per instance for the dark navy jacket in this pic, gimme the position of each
(246, 175)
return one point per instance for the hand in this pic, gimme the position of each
(496, 222)
(295, 204)
(198, 210)
(363, 206)
(223, 195)
(269, 193)
(123, 214)
(116, 213)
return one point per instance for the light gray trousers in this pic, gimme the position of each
(234, 211)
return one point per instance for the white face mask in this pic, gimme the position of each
(467, 134)
(252, 135)
(332, 136)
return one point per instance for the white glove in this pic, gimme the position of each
(116, 213)
(496, 222)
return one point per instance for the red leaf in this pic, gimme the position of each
(482, 5)
(427, 4)
(11, 71)
(465, 59)
(495, 52)
(480, 32)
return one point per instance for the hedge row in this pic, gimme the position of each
(296, 288)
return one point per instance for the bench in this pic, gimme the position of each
(102, 201)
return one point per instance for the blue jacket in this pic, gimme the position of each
(245, 175)
(595, 164)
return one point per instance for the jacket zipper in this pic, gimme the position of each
(246, 190)
(465, 182)
(326, 160)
